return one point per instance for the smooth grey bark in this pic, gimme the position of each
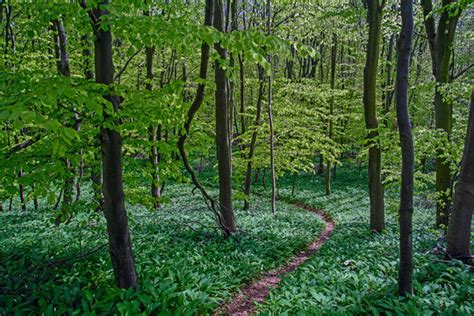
(459, 230)
(405, 275)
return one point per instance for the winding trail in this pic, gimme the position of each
(243, 303)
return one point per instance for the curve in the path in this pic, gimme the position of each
(255, 292)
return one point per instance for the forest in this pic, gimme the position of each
(236, 157)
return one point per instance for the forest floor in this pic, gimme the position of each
(184, 264)
(185, 267)
(244, 303)
(356, 271)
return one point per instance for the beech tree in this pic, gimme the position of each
(440, 40)
(404, 46)
(120, 245)
(459, 231)
(376, 191)
(224, 155)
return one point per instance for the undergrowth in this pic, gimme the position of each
(356, 271)
(184, 264)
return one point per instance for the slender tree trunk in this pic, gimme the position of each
(376, 191)
(153, 133)
(96, 178)
(79, 177)
(270, 112)
(21, 191)
(320, 169)
(222, 130)
(459, 231)
(64, 69)
(58, 200)
(331, 108)
(257, 175)
(253, 142)
(387, 92)
(35, 198)
(293, 185)
(321, 55)
(264, 179)
(405, 275)
(242, 93)
(120, 246)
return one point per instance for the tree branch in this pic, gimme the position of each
(126, 64)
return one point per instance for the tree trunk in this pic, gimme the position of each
(459, 231)
(405, 275)
(222, 130)
(35, 198)
(440, 41)
(64, 69)
(387, 92)
(96, 178)
(253, 142)
(21, 191)
(153, 134)
(270, 112)
(120, 246)
(376, 191)
(331, 108)
(320, 168)
(242, 93)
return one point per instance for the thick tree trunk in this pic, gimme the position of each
(120, 246)
(331, 108)
(440, 41)
(459, 231)
(253, 142)
(376, 191)
(405, 275)
(222, 130)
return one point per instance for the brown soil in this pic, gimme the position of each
(255, 292)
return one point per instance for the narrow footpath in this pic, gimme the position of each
(244, 303)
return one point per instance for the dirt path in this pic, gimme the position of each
(256, 291)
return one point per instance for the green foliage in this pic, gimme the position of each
(355, 272)
(184, 265)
